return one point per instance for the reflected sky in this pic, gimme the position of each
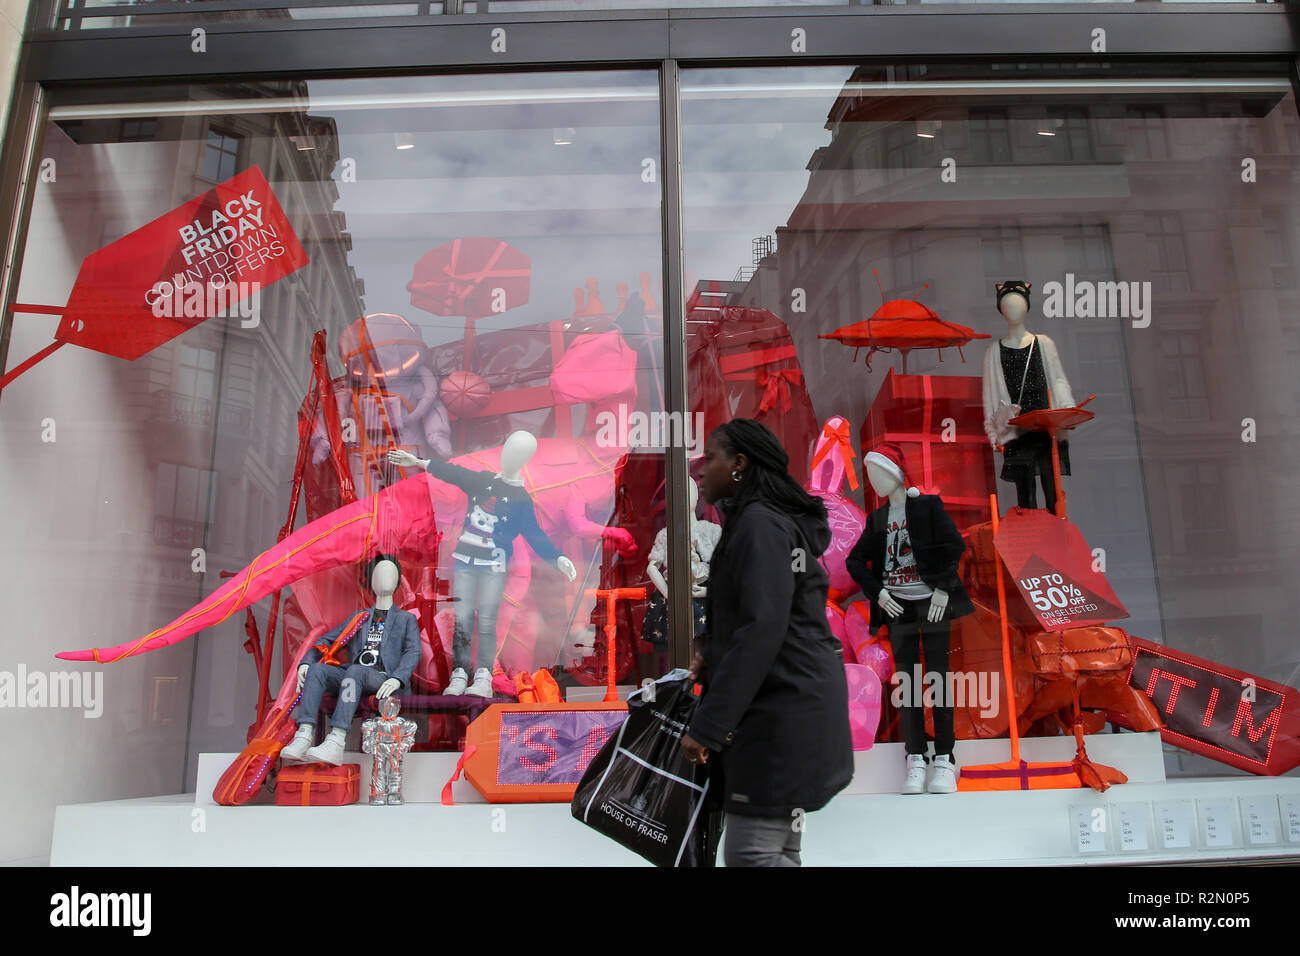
(553, 164)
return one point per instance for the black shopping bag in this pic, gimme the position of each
(641, 792)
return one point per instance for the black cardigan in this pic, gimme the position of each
(936, 544)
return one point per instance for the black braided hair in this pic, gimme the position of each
(767, 479)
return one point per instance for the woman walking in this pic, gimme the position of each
(773, 718)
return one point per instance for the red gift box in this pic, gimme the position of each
(318, 785)
(938, 421)
(742, 363)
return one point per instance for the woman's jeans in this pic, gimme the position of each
(477, 589)
(761, 841)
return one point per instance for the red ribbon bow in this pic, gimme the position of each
(777, 385)
(837, 436)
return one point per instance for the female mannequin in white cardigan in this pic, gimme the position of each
(1024, 369)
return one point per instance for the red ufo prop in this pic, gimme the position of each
(904, 324)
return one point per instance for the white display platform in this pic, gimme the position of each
(878, 770)
(870, 823)
(1029, 827)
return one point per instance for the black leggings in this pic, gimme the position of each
(907, 633)
(1026, 497)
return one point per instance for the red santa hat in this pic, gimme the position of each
(889, 458)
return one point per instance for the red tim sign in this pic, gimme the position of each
(1052, 567)
(1222, 713)
(206, 257)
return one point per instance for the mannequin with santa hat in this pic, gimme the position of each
(906, 563)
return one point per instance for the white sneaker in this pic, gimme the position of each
(329, 750)
(296, 750)
(456, 686)
(945, 775)
(915, 780)
(482, 686)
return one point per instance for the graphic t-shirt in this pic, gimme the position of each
(902, 577)
(369, 656)
(477, 544)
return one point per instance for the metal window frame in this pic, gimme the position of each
(667, 41)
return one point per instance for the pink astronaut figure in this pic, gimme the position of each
(383, 357)
(388, 737)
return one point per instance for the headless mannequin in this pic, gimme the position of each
(887, 486)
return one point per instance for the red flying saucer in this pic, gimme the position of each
(904, 324)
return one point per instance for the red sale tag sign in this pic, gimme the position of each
(1053, 568)
(202, 258)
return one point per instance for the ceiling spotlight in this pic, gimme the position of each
(928, 129)
(1049, 126)
(302, 142)
(563, 136)
(403, 141)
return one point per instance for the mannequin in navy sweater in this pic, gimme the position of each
(498, 511)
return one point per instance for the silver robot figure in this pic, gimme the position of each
(388, 737)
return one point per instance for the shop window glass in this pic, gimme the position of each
(454, 261)
(1161, 290)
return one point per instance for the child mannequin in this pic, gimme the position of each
(906, 563)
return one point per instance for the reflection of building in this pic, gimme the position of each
(1199, 527)
(213, 410)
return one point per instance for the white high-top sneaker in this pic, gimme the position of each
(329, 750)
(295, 751)
(945, 775)
(915, 780)
(456, 686)
(482, 686)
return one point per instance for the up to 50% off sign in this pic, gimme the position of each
(1059, 601)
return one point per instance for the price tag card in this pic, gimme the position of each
(1131, 823)
(1088, 825)
(1174, 818)
(1217, 822)
(1291, 817)
(1263, 825)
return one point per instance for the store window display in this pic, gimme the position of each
(849, 217)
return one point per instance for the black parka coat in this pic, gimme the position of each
(774, 713)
